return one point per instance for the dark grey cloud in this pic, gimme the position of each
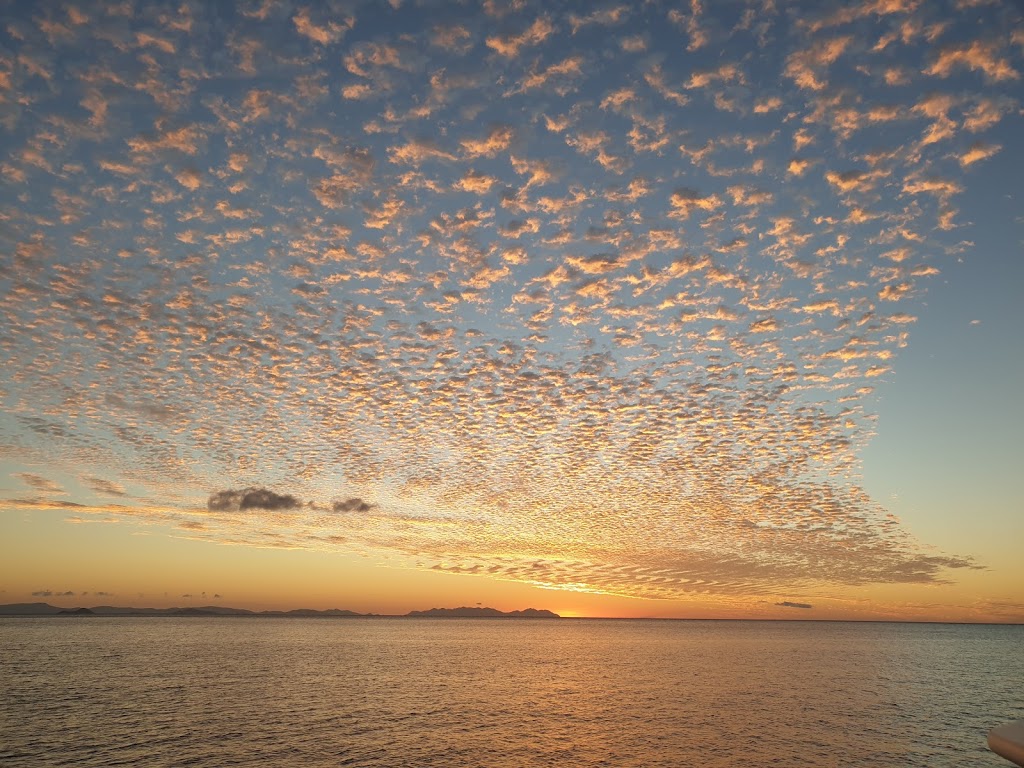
(251, 498)
(790, 604)
(352, 505)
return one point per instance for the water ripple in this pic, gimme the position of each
(387, 693)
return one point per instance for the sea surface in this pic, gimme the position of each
(502, 692)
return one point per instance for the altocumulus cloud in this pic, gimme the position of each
(582, 347)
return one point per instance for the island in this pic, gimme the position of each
(483, 613)
(27, 610)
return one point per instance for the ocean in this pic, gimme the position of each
(502, 692)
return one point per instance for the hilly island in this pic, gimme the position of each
(45, 609)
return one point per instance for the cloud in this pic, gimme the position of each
(978, 56)
(455, 38)
(978, 150)
(788, 604)
(726, 73)
(854, 180)
(476, 183)
(371, 59)
(458, 268)
(417, 152)
(105, 487)
(189, 178)
(352, 505)
(186, 139)
(510, 45)
(560, 73)
(858, 10)
(323, 34)
(942, 188)
(144, 39)
(685, 200)
(540, 172)
(251, 499)
(497, 140)
(985, 114)
(656, 79)
(358, 91)
(39, 483)
(767, 104)
(385, 214)
(798, 166)
(606, 17)
(806, 67)
(691, 23)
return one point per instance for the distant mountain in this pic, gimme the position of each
(45, 609)
(29, 609)
(313, 612)
(483, 613)
(205, 610)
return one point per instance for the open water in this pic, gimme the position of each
(470, 692)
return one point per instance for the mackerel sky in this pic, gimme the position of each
(589, 296)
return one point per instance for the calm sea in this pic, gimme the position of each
(471, 692)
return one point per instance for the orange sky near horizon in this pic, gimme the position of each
(152, 569)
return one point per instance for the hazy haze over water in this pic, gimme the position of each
(450, 692)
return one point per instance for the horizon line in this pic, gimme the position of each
(215, 611)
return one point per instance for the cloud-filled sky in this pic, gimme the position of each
(596, 297)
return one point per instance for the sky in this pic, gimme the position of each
(663, 309)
